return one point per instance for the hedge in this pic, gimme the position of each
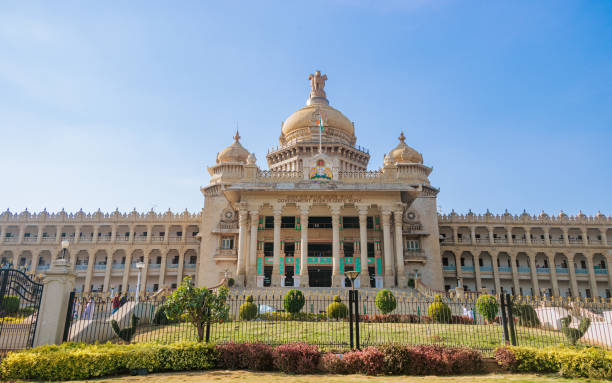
(569, 362)
(82, 361)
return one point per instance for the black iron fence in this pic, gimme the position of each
(414, 320)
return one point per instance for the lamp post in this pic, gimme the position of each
(65, 245)
(352, 275)
(139, 266)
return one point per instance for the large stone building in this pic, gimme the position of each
(316, 213)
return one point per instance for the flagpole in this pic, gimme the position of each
(320, 130)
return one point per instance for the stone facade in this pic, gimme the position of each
(317, 213)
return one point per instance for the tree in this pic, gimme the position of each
(385, 301)
(199, 305)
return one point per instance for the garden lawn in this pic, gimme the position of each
(245, 376)
(335, 335)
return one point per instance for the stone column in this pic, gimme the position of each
(389, 279)
(113, 234)
(336, 275)
(162, 270)
(509, 235)
(534, 274)
(2, 234)
(167, 234)
(241, 267)
(478, 278)
(455, 234)
(58, 283)
(89, 275)
(39, 235)
(278, 211)
(585, 236)
(252, 264)
(303, 278)
(402, 280)
(527, 236)
(565, 236)
(494, 258)
(107, 272)
(546, 236)
(95, 234)
(592, 280)
(132, 234)
(553, 273)
(473, 231)
(572, 274)
(143, 276)
(491, 237)
(126, 272)
(184, 236)
(181, 266)
(364, 277)
(608, 255)
(515, 274)
(149, 234)
(604, 236)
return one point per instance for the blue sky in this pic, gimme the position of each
(124, 104)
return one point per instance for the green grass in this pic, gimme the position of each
(335, 335)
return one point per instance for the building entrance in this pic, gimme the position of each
(319, 276)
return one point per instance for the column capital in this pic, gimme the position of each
(277, 209)
(304, 208)
(254, 214)
(335, 208)
(362, 208)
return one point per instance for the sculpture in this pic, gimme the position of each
(317, 83)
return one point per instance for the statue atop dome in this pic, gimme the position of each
(317, 83)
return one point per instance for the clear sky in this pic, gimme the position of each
(123, 104)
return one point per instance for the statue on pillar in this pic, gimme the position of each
(317, 83)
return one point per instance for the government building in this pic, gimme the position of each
(316, 213)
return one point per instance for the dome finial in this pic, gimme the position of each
(402, 138)
(237, 136)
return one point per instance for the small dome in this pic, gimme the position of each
(543, 214)
(404, 153)
(562, 214)
(599, 215)
(251, 159)
(233, 153)
(580, 214)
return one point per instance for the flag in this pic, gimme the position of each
(321, 121)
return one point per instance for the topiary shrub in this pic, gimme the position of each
(127, 333)
(231, 282)
(574, 334)
(10, 304)
(487, 306)
(160, 317)
(333, 364)
(526, 315)
(293, 301)
(439, 311)
(385, 301)
(246, 356)
(411, 283)
(337, 309)
(248, 310)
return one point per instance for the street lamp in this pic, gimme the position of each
(65, 245)
(139, 266)
(352, 275)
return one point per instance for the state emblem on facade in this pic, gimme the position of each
(320, 171)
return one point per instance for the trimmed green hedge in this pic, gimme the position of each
(81, 361)
(569, 362)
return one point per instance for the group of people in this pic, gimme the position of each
(87, 312)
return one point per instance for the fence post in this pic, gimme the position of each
(504, 321)
(68, 316)
(58, 283)
(351, 318)
(509, 305)
(208, 326)
(357, 319)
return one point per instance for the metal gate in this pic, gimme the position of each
(19, 304)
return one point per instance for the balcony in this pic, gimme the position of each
(575, 241)
(122, 239)
(543, 270)
(562, 270)
(500, 240)
(486, 269)
(505, 269)
(100, 267)
(415, 255)
(447, 241)
(482, 240)
(582, 271)
(80, 267)
(557, 242)
(172, 265)
(85, 239)
(157, 239)
(595, 242)
(140, 238)
(523, 269)
(42, 267)
(519, 241)
(449, 268)
(537, 241)
(190, 265)
(11, 239)
(32, 239)
(176, 238)
(154, 266)
(118, 266)
(467, 268)
(601, 271)
(467, 241)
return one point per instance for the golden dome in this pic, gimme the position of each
(404, 153)
(309, 116)
(233, 153)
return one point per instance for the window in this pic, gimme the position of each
(350, 222)
(162, 233)
(227, 243)
(445, 261)
(268, 249)
(413, 244)
(480, 263)
(179, 233)
(370, 222)
(371, 252)
(175, 260)
(287, 222)
(155, 287)
(462, 261)
(193, 259)
(269, 222)
(27, 235)
(319, 223)
(173, 286)
(158, 262)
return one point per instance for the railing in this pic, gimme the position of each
(118, 266)
(537, 241)
(172, 265)
(370, 175)
(450, 268)
(280, 175)
(562, 270)
(505, 269)
(154, 266)
(100, 267)
(467, 268)
(413, 227)
(582, 271)
(10, 239)
(464, 240)
(140, 238)
(500, 240)
(79, 267)
(601, 271)
(157, 239)
(42, 267)
(523, 269)
(85, 239)
(122, 239)
(543, 270)
(190, 265)
(486, 269)
(30, 239)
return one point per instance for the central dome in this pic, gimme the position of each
(304, 125)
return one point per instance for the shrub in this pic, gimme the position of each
(385, 301)
(337, 309)
(126, 334)
(411, 283)
(10, 304)
(248, 310)
(333, 364)
(247, 356)
(487, 306)
(372, 361)
(569, 362)
(231, 282)
(439, 311)
(281, 316)
(293, 301)
(526, 315)
(574, 334)
(430, 360)
(297, 358)
(160, 317)
(71, 361)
